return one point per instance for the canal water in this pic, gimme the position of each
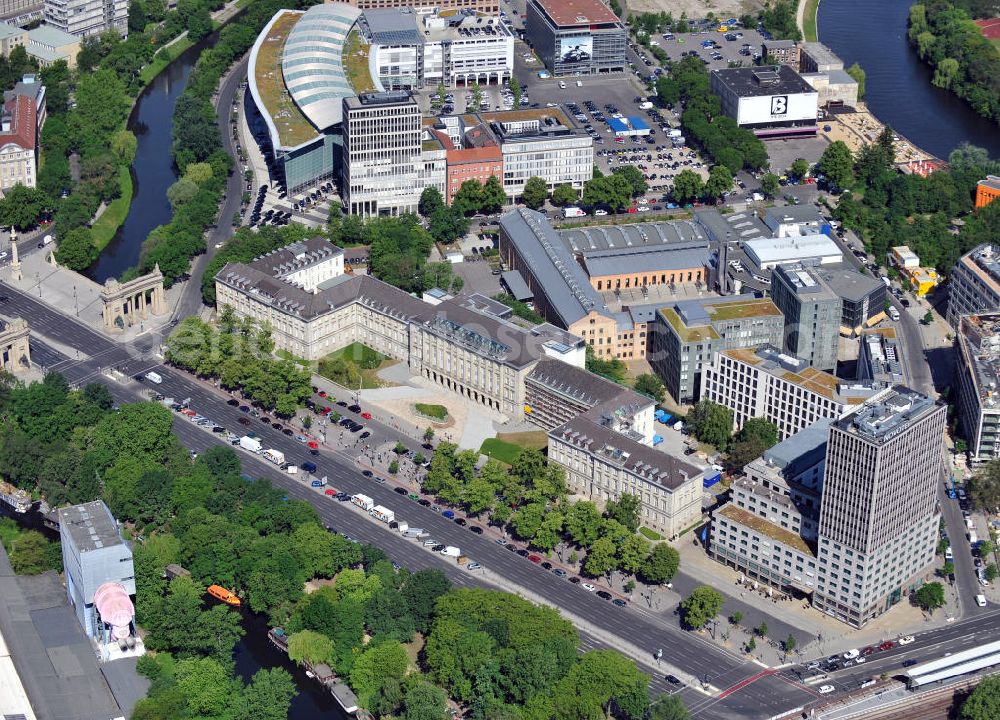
(898, 87)
(153, 170)
(253, 652)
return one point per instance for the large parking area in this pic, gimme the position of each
(716, 49)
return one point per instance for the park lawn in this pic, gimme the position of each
(105, 227)
(505, 447)
(435, 412)
(361, 355)
(162, 58)
(650, 534)
(809, 21)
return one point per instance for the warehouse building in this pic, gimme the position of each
(576, 37)
(768, 253)
(771, 101)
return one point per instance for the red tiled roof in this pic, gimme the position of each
(22, 123)
(578, 12)
(474, 155)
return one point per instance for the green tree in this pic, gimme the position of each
(984, 702)
(761, 429)
(207, 686)
(123, 145)
(635, 178)
(22, 206)
(565, 195)
(668, 707)
(651, 385)
(469, 198)
(583, 523)
(515, 90)
(611, 191)
(703, 604)
(376, 665)
(598, 679)
(946, 73)
(550, 533)
(632, 553)
(858, 73)
(761, 629)
(799, 168)
(269, 695)
(929, 596)
(602, 558)
(991, 572)
(528, 520)
(430, 201)
(30, 554)
(735, 618)
(948, 569)
(661, 565)
(448, 224)
(837, 164)
(424, 701)
(790, 643)
(182, 192)
(769, 185)
(421, 590)
(311, 646)
(687, 186)
(720, 180)
(494, 197)
(626, 510)
(536, 192)
(711, 423)
(76, 250)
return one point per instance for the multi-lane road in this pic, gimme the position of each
(694, 655)
(745, 689)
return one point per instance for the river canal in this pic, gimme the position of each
(898, 86)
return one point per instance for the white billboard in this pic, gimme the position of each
(778, 108)
(576, 49)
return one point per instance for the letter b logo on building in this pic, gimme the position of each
(779, 104)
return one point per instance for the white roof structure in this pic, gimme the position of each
(312, 64)
(767, 253)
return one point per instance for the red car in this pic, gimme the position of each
(330, 491)
(366, 415)
(322, 393)
(887, 645)
(312, 444)
(535, 559)
(868, 650)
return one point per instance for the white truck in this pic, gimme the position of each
(573, 211)
(412, 532)
(363, 501)
(401, 526)
(646, 105)
(893, 312)
(451, 551)
(382, 513)
(275, 456)
(251, 444)
(675, 133)
(154, 377)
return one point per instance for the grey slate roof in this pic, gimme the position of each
(652, 465)
(802, 449)
(516, 285)
(587, 240)
(627, 261)
(735, 226)
(392, 26)
(582, 385)
(555, 270)
(847, 282)
(789, 214)
(90, 526)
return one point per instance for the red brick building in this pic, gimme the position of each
(478, 158)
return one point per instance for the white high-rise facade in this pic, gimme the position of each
(87, 17)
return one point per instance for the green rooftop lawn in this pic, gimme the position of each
(742, 309)
(355, 58)
(686, 334)
(293, 127)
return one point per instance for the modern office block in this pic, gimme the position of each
(878, 526)
(84, 18)
(977, 377)
(812, 315)
(975, 283)
(576, 37)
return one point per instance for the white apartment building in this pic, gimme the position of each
(412, 50)
(389, 158)
(87, 17)
(784, 389)
(18, 143)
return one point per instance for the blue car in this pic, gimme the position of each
(448, 514)
(951, 493)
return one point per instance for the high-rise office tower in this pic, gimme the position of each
(878, 526)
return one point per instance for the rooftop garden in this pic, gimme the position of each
(688, 334)
(761, 525)
(742, 309)
(355, 59)
(293, 127)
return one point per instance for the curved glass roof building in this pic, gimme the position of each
(312, 63)
(302, 66)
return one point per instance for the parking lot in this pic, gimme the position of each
(714, 48)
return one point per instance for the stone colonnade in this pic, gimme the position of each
(128, 303)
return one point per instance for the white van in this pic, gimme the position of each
(562, 84)
(154, 377)
(893, 312)
(981, 600)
